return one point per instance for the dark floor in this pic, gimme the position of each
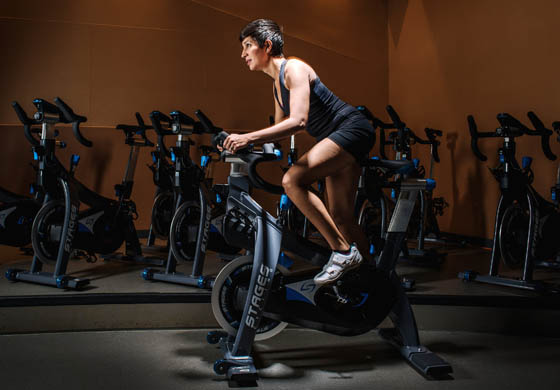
(295, 359)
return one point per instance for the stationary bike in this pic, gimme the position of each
(163, 173)
(16, 218)
(60, 228)
(526, 226)
(198, 210)
(254, 296)
(373, 217)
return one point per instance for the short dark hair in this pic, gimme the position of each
(261, 30)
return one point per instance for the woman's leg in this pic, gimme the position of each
(341, 193)
(325, 159)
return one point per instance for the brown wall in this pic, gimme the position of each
(109, 59)
(448, 59)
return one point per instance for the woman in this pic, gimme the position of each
(344, 137)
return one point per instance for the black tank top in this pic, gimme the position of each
(326, 110)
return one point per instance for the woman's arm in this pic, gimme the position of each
(297, 81)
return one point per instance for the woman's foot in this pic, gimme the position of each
(337, 265)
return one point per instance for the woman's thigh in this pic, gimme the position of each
(324, 159)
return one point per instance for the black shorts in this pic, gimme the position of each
(355, 135)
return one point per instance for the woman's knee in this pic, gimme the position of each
(292, 179)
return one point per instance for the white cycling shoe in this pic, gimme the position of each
(337, 265)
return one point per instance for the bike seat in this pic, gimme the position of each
(392, 165)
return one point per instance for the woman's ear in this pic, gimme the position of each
(268, 46)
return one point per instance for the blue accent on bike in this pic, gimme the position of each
(364, 299)
(154, 158)
(173, 157)
(430, 184)
(285, 202)
(416, 162)
(75, 159)
(393, 193)
(375, 158)
(526, 162)
(502, 158)
(201, 282)
(31, 189)
(174, 113)
(35, 156)
(292, 295)
(278, 154)
(21, 220)
(213, 229)
(553, 194)
(285, 261)
(204, 161)
(372, 249)
(83, 228)
(218, 198)
(290, 161)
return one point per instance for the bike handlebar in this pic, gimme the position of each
(252, 158)
(545, 134)
(510, 128)
(556, 127)
(207, 124)
(180, 119)
(131, 130)
(156, 117)
(27, 123)
(432, 135)
(397, 123)
(73, 118)
(507, 120)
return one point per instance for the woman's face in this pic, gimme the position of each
(255, 57)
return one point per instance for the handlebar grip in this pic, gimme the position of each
(537, 123)
(156, 117)
(24, 119)
(544, 133)
(75, 119)
(141, 122)
(68, 113)
(545, 145)
(474, 139)
(218, 139)
(395, 117)
(207, 123)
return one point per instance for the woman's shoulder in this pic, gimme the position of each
(297, 63)
(294, 64)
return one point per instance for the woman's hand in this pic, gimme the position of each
(234, 142)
